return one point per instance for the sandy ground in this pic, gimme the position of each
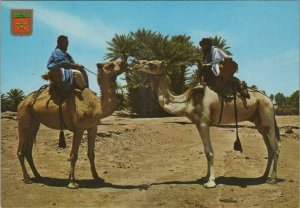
(164, 153)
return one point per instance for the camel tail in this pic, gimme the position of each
(277, 132)
(62, 140)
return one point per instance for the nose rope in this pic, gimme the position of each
(90, 71)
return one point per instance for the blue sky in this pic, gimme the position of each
(263, 35)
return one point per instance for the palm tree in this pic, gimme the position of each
(271, 97)
(122, 97)
(15, 96)
(121, 46)
(5, 103)
(221, 43)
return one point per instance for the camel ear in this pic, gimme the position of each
(99, 65)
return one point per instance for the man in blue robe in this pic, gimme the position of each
(63, 61)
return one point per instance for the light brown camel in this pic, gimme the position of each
(81, 111)
(203, 108)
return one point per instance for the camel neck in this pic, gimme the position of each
(174, 104)
(108, 96)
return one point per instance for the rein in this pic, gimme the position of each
(221, 113)
(62, 141)
(90, 71)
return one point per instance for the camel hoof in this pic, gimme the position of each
(206, 178)
(37, 179)
(73, 185)
(210, 184)
(27, 180)
(99, 180)
(272, 181)
(262, 179)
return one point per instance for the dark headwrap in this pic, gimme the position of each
(206, 41)
(60, 39)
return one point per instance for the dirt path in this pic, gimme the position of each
(165, 154)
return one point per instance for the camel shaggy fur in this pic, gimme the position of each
(80, 111)
(204, 107)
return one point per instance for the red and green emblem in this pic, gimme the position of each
(21, 21)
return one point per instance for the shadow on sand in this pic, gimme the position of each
(56, 182)
(229, 181)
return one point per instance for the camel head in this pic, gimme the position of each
(155, 67)
(110, 70)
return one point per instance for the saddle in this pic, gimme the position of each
(56, 84)
(54, 76)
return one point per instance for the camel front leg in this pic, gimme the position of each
(203, 129)
(92, 133)
(73, 158)
(29, 158)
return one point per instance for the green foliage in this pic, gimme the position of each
(122, 97)
(5, 103)
(272, 97)
(293, 100)
(287, 105)
(221, 43)
(11, 100)
(280, 99)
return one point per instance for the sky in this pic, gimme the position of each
(263, 36)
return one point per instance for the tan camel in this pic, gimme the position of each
(203, 108)
(81, 111)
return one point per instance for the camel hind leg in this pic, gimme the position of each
(275, 150)
(269, 149)
(27, 127)
(266, 126)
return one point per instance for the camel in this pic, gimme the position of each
(80, 110)
(204, 107)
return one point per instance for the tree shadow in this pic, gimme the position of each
(57, 182)
(229, 181)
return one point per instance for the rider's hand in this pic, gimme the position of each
(79, 66)
(200, 64)
(206, 65)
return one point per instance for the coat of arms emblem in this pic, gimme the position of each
(21, 22)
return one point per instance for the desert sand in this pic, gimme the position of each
(152, 162)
